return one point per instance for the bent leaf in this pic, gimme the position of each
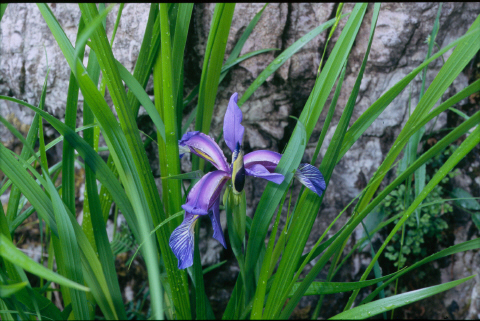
(191, 175)
(317, 288)
(396, 301)
(10, 253)
(8, 290)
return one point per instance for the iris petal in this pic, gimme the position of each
(205, 147)
(232, 128)
(214, 215)
(182, 241)
(204, 194)
(258, 170)
(266, 158)
(307, 174)
(311, 177)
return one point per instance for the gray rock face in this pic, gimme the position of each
(398, 47)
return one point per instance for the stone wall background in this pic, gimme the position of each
(398, 47)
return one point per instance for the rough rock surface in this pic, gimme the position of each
(398, 47)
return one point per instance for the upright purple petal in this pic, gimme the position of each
(205, 147)
(311, 177)
(205, 193)
(258, 170)
(266, 158)
(214, 215)
(232, 129)
(182, 241)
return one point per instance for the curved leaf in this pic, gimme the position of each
(10, 253)
(317, 288)
(8, 290)
(396, 301)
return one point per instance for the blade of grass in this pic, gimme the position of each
(470, 142)
(462, 247)
(139, 92)
(179, 33)
(141, 73)
(437, 148)
(191, 175)
(301, 225)
(3, 7)
(367, 118)
(44, 207)
(213, 267)
(43, 163)
(104, 175)
(230, 64)
(10, 253)
(14, 197)
(105, 254)
(272, 195)
(376, 307)
(329, 116)
(453, 66)
(212, 65)
(260, 222)
(68, 171)
(53, 143)
(67, 255)
(459, 113)
(169, 113)
(15, 273)
(317, 288)
(412, 145)
(280, 60)
(244, 37)
(147, 184)
(259, 299)
(226, 67)
(338, 16)
(93, 69)
(8, 290)
(179, 214)
(233, 57)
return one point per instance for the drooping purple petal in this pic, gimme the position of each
(204, 194)
(205, 147)
(311, 177)
(258, 170)
(182, 241)
(307, 174)
(266, 158)
(214, 215)
(232, 127)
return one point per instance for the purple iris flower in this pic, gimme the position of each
(204, 197)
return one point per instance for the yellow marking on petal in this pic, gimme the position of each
(238, 173)
(204, 155)
(192, 226)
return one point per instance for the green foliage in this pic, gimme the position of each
(419, 237)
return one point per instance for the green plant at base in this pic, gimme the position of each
(431, 222)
